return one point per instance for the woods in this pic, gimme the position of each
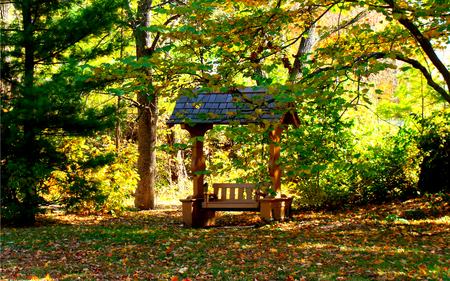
(334, 115)
(44, 100)
(369, 80)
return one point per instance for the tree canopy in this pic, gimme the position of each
(352, 70)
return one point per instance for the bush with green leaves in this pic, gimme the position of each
(434, 144)
(374, 165)
(114, 181)
(351, 164)
(387, 170)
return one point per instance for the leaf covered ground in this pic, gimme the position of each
(397, 241)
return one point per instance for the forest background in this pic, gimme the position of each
(87, 87)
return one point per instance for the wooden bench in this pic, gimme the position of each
(200, 212)
(233, 197)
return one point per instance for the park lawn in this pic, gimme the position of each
(396, 241)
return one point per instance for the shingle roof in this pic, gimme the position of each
(250, 105)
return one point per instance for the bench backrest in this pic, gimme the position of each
(236, 191)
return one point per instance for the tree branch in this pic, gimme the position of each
(158, 35)
(380, 55)
(310, 42)
(344, 24)
(426, 46)
(75, 40)
(427, 75)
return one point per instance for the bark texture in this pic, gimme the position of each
(308, 42)
(5, 18)
(148, 117)
(176, 161)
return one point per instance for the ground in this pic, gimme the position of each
(396, 241)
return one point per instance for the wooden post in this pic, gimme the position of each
(193, 214)
(279, 208)
(198, 159)
(274, 166)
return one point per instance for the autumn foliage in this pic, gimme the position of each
(366, 78)
(397, 241)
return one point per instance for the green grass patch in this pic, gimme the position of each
(353, 245)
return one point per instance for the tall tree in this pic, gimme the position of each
(148, 42)
(47, 44)
(148, 113)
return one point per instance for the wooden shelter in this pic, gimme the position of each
(199, 114)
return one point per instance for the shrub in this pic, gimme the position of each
(434, 145)
(112, 184)
(365, 166)
(386, 171)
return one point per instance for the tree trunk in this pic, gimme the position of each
(176, 161)
(181, 167)
(308, 42)
(28, 95)
(5, 88)
(306, 46)
(148, 116)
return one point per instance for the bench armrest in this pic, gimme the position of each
(259, 193)
(210, 196)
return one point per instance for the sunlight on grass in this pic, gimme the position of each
(153, 245)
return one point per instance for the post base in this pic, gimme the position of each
(194, 215)
(278, 208)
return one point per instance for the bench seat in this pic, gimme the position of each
(235, 205)
(233, 197)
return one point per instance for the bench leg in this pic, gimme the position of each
(289, 209)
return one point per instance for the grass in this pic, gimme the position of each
(368, 243)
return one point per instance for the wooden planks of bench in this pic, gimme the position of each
(233, 197)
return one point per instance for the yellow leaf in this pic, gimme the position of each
(423, 269)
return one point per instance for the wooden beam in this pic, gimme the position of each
(290, 117)
(274, 166)
(198, 159)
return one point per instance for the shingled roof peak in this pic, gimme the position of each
(249, 105)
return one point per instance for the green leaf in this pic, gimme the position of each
(397, 16)
(202, 173)
(164, 49)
